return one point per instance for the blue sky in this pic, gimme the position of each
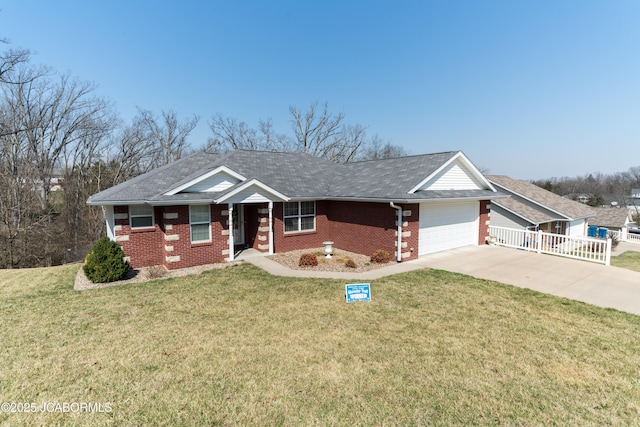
(530, 89)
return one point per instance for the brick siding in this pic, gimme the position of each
(483, 221)
(359, 227)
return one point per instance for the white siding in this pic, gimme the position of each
(213, 184)
(447, 226)
(576, 228)
(249, 195)
(503, 218)
(454, 177)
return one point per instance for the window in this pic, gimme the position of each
(141, 216)
(200, 221)
(299, 216)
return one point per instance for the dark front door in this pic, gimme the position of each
(252, 223)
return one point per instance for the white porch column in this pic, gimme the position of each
(232, 252)
(270, 228)
(111, 223)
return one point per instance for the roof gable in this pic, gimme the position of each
(219, 179)
(456, 174)
(252, 191)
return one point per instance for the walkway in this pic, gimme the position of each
(592, 283)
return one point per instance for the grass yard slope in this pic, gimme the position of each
(240, 347)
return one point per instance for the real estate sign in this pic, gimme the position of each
(357, 292)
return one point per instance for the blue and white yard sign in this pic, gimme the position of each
(357, 292)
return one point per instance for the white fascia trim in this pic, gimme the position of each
(118, 203)
(459, 155)
(407, 201)
(256, 183)
(203, 177)
(155, 203)
(181, 202)
(453, 199)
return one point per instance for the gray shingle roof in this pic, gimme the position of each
(610, 217)
(296, 175)
(527, 212)
(546, 199)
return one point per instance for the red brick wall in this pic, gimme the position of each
(303, 240)
(483, 221)
(192, 254)
(143, 246)
(411, 224)
(168, 242)
(359, 227)
(363, 227)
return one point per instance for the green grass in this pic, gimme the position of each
(240, 347)
(629, 260)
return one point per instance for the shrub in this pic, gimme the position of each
(308, 260)
(614, 241)
(156, 271)
(380, 257)
(105, 262)
(350, 263)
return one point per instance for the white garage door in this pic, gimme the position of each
(447, 226)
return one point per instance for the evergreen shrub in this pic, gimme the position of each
(105, 262)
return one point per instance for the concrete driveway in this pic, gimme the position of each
(592, 283)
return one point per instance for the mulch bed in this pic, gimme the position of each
(335, 263)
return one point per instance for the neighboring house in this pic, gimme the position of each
(584, 198)
(535, 208)
(205, 207)
(611, 218)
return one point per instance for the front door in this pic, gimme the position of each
(238, 225)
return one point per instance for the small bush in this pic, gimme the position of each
(349, 263)
(105, 262)
(614, 241)
(156, 271)
(380, 257)
(308, 260)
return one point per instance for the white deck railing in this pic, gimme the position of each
(583, 248)
(633, 238)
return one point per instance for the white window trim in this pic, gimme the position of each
(299, 216)
(208, 222)
(131, 216)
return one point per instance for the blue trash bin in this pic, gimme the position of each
(593, 230)
(602, 233)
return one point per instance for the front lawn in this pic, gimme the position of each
(629, 260)
(240, 347)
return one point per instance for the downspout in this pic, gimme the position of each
(399, 248)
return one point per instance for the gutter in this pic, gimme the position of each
(399, 247)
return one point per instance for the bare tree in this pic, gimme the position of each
(323, 134)
(377, 149)
(315, 131)
(10, 60)
(230, 134)
(168, 135)
(51, 128)
(130, 153)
